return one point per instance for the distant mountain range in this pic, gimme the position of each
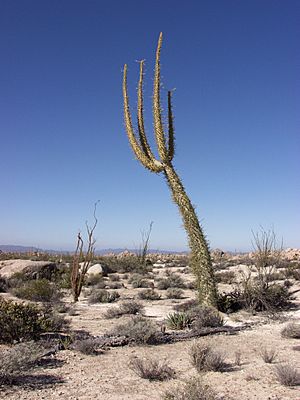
(28, 249)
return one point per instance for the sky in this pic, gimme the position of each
(235, 67)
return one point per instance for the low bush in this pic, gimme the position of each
(38, 290)
(102, 296)
(226, 277)
(205, 359)
(187, 305)
(178, 320)
(287, 375)
(193, 389)
(17, 360)
(204, 316)
(268, 355)
(95, 280)
(149, 294)
(139, 281)
(151, 369)
(291, 331)
(139, 329)
(86, 346)
(20, 321)
(114, 277)
(172, 280)
(3, 285)
(174, 293)
(127, 307)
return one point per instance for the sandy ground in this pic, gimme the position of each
(107, 376)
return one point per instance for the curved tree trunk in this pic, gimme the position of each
(200, 257)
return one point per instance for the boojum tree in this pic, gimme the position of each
(200, 256)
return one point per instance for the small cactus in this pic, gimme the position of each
(201, 260)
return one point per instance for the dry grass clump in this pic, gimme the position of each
(291, 331)
(287, 375)
(151, 369)
(86, 346)
(17, 360)
(149, 294)
(193, 389)
(127, 307)
(102, 296)
(139, 329)
(205, 359)
(268, 355)
(178, 320)
(174, 293)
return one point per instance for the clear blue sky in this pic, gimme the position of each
(235, 66)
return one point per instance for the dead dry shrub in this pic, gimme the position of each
(187, 305)
(226, 277)
(291, 331)
(17, 360)
(287, 375)
(204, 358)
(152, 369)
(149, 294)
(174, 293)
(139, 329)
(268, 355)
(102, 296)
(193, 389)
(126, 308)
(139, 281)
(87, 346)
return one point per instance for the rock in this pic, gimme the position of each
(33, 269)
(95, 270)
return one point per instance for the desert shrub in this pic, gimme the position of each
(139, 281)
(292, 271)
(114, 285)
(193, 389)
(178, 320)
(205, 316)
(3, 285)
(17, 360)
(172, 280)
(151, 369)
(20, 321)
(287, 375)
(94, 280)
(149, 294)
(268, 355)
(191, 285)
(205, 359)
(51, 321)
(174, 293)
(114, 277)
(258, 297)
(139, 329)
(102, 296)
(127, 307)
(291, 331)
(227, 277)
(87, 346)
(187, 305)
(38, 290)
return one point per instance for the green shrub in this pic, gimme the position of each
(38, 290)
(172, 280)
(149, 294)
(205, 316)
(139, 281)
(19, 321)
(226, 277)
(102, 296)
(139, 329)
(178, 320)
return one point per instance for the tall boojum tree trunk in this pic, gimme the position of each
(200, 256)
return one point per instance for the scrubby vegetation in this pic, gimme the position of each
(151, 369)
